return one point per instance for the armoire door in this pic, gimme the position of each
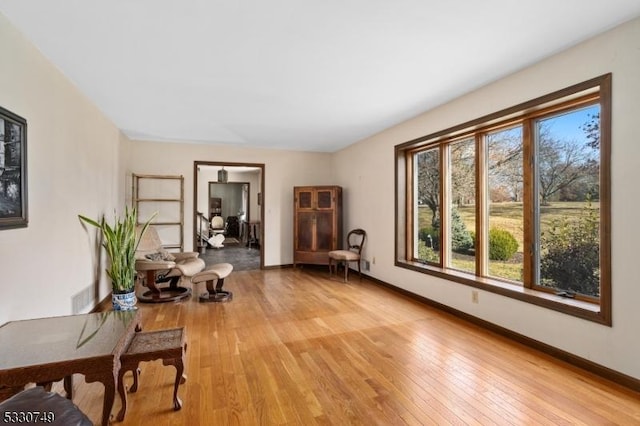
(305, 230)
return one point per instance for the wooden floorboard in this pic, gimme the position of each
(294, 347)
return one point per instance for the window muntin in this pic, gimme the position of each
(521, 126)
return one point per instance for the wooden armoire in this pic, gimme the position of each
(317, 218)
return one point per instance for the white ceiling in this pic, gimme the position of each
(294, 74)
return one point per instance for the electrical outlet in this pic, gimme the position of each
(474, 296)
(373, 260)
(367, 265)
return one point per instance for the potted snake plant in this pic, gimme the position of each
(120, 241)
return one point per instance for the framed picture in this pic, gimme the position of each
(13, 170)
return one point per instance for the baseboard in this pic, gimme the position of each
(270, 267)
(574, 360)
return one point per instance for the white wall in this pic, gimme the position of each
(366, 172)
(73, 167)
(283, 171)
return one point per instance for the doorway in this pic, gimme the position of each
(234, 192)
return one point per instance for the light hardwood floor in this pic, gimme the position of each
(295, 348)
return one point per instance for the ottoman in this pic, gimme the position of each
(216, 273)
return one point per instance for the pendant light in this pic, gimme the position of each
(223, 175)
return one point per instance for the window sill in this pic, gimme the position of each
(578, 308)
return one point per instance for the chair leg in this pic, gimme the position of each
(346, 271)
(178, 364)
(177, 403)
(359, 271)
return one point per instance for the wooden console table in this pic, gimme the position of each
(49, 349)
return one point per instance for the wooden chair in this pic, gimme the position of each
(353, 252)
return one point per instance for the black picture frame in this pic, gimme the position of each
(14, 211)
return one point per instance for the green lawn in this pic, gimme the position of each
(508, 216)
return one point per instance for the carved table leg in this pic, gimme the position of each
(68, 386)
(177, 403)
(134, 386)
(109, 397)
(122, 390)
(183, 379)
(123, 394)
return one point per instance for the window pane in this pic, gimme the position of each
(427, 165)
(505, 177)
(324, 199)
(462, 223)
(568, 176)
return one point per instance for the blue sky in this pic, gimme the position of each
(568, 125)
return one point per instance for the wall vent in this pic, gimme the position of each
(81, 300)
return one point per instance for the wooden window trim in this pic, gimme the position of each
(596, 90)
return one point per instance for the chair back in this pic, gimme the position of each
(356, 239)
(150, 242)
(217, 222)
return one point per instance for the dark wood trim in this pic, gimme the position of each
(444, 209)
(482, 230)
(535, 297)
(272, 267)
(529, 106)
(605, 197)
(576, 361)
(528, 203)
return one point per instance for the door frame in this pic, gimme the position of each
(262, 193)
